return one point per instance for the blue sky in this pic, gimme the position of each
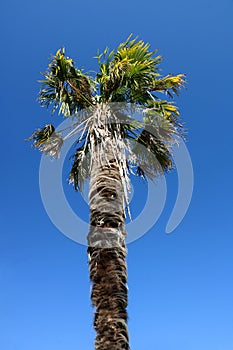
(180, 285)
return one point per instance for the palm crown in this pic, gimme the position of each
(128, 83)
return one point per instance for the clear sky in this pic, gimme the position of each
(181, 284)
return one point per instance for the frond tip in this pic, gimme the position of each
(171, 84)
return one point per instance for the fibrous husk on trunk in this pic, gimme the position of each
(106, 245)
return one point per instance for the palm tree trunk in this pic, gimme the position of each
(107, 253)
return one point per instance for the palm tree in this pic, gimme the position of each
(111, 144)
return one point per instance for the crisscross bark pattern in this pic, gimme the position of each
(109, 297)
(107, 253)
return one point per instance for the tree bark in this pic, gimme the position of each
(107, 250)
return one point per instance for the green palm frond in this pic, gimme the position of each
(152, 139)
(65, 87)
(155, 156)
(40, 136)
(130, 74)
(167, 110)
(47, 140)
(171, 84)
(80, 171)
(127, 74)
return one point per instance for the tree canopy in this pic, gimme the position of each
(130, 83)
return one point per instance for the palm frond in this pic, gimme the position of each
(80, 170)
(127, 74)
(171, 84)
(154, 157)
(130, 74)
(152, 139)
(65, 87)
(47, 140)
(157, 109)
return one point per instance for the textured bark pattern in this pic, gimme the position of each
(109, 297)
(107, 215)
(107, 252)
